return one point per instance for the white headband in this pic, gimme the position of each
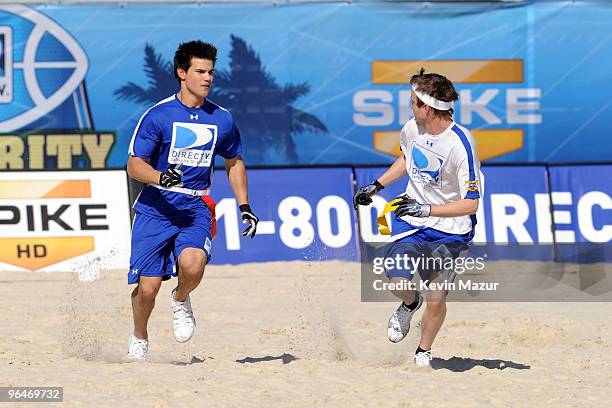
(433, 102)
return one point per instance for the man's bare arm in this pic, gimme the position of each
(236, 174)
(140, 169)
(396, 171)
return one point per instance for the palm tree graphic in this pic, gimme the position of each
(262, 108)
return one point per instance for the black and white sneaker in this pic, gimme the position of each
(399, 322)
(423, 359)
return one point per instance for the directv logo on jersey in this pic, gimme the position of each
(426, 166)
(36, 96)
(193, 144)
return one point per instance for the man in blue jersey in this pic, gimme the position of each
(173, 150)
(436, 216)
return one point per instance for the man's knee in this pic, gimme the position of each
(148, 291)
(191, 263)
(145, 297)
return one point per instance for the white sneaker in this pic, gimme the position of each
(399, 322)
(137, 348)
(423, 359)
(183, 321)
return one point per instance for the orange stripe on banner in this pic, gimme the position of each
(71, 189)
(24, 189)
(458, 71)
(495, 143)
(387, 142)
(489, 143)
(36, 253)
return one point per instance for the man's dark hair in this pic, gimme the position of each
(435, 85)
(193, 49)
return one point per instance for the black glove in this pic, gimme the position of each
(364, 194)
(171, 178)
(410, 206)
(248, 218)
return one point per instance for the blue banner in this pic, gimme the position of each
(305, 214)
(582, 203)
(515, 208)
(307, 83)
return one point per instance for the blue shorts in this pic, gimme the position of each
(157, 242)
(434, 248)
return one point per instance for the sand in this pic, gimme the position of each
(295, 334)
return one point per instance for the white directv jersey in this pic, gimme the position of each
(441, 169)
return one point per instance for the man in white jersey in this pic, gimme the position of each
(439, 207)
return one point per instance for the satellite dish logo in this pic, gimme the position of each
(193, 144)
(41, 77)
(427, 165)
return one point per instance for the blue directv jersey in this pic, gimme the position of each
(171, 134)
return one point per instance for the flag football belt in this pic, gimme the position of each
(210, 203)
(381, 221)
(196, 193)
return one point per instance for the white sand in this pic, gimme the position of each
(295, 335)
